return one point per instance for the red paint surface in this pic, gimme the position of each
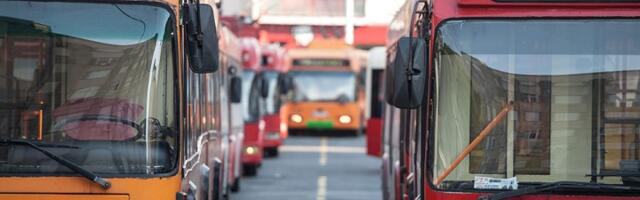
(374, 137)
(252, 137)
(370, 35)
(272, 124)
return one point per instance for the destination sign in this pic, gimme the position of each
(321, 62)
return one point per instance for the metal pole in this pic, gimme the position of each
(348, 27)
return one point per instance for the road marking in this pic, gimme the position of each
(323, 151)
(317, 149)
(322, 188)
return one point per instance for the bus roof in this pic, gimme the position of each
(230, 44)
(355, 58)
(274, 57)
(377, 58)
(250, 53)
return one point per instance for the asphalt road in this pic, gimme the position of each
(316, 168)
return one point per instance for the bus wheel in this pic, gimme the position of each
(272, 152)
(250, 170)
(236, 185)
(358, 132)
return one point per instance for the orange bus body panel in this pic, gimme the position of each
(334, 110)
(63, 196)
(78, 188)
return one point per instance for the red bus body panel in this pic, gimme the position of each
(272, 126)
(252, 137)
(374, 137)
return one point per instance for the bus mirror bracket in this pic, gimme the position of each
(407, 73)
(201, 37)
(264, 88)
(284, 84)
(235, 91)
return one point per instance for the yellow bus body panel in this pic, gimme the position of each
(50, 188)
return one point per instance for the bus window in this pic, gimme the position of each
(273, 101)
(377, 96)
(324, 86)
(249, 97)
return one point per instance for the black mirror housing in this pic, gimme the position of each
(264, 88)
(406, 77)
(283, 84)
(235, 89)
(201, 38)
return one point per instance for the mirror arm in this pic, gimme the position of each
(199, 34)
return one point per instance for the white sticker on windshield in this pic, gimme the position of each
(495, 183)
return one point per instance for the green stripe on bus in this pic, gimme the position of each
(320, 124)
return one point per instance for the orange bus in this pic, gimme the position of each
(115, 100)
(327, 92)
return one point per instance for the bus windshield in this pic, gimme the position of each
(324, 86)
(273, 101)
(250, 103)
(575, 88)
(96, 90)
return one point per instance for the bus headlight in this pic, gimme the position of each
(345, 119)
(251, 150)
(296, 118)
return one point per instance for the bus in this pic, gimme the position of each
(253, 94)
(374, 99)
(327, 92)
(115, 100)
(513, 99)
(231, 56)
(274, 68)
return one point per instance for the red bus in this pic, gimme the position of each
(513, 99)
(374, 99)
(253, 87)
(274, 68)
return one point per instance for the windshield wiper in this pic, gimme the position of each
(554, 186)
(105, 184)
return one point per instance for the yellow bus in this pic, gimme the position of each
(327, 90)
(114, 100)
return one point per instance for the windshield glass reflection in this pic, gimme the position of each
(324, 86)
(101, 84)
(575, 88)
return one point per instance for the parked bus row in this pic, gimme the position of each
(510, 99)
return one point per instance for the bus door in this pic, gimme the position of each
(374, 122)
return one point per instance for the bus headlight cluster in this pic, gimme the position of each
(345, 119)
(296, 118)
(250, 150)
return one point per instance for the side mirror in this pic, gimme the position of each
(264, 88)
(235, 89)
(283, 84)
(201, 37)
(407, 73)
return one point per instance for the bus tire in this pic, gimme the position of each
(358, 132)
(236, 185)
(272, 152)
(250, 170)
